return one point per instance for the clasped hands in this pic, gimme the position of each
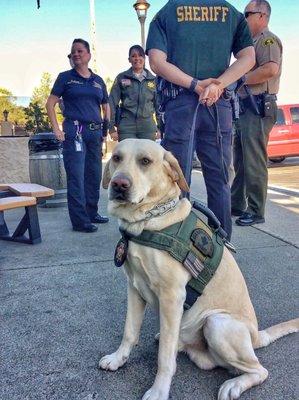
(209, 90)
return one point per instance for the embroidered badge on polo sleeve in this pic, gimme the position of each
(121, 252)
(269, 41)
(97, 85)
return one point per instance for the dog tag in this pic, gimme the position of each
(121, 252)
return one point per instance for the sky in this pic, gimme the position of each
(34, 40)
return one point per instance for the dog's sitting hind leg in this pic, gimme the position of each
(230, 344)
(135, 313)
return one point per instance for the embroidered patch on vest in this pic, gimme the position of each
(193, 265)
(203, 242)
(121, 252)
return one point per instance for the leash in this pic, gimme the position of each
(191, 144)
(198, 204)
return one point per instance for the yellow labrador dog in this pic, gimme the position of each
(220, 329)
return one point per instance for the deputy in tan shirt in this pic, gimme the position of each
(257, 116)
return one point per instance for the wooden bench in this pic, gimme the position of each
(22, 195)
(27, 189)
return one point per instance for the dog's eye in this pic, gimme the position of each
(116, 158)
(145, 161)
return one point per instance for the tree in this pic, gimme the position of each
(8, 102)
(41, 93)
(109, 83)
(37, 120)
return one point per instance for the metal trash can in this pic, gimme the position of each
(46, 166)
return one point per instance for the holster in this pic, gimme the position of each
(253, 103)
(167, 91)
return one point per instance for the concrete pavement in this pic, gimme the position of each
(62, 306)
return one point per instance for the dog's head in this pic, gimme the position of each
(140, 172)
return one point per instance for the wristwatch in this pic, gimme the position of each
(193, 84)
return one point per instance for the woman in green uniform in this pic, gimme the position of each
(133, 101)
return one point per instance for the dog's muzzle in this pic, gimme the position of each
(120, 187)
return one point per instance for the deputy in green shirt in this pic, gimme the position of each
(190, 44)
(133, 101)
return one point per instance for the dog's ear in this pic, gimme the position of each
(174, 171)
(106, 176)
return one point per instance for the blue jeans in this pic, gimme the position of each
(84, 172)
(213, 151)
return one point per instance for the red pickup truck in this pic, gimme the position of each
(284, 137)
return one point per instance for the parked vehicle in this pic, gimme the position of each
(284, 137)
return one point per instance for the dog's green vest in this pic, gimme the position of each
(191, 242)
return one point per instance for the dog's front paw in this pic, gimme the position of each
(230, 390)
(156, 394)
(112, 362)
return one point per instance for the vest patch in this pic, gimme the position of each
(203, 242)
(121, 252)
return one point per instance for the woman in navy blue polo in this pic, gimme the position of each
(86, 117)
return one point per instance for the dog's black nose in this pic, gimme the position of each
(120, 186)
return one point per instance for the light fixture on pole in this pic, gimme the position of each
(141, 7)
(5, 114)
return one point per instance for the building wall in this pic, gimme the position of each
(14, 159)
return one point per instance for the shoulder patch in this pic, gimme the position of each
(269, 41)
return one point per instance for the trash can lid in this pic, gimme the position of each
(42, 136)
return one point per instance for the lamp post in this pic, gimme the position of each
(93, 36)
(5, 114)
(141, 7)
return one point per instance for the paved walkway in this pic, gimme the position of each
(62, 306)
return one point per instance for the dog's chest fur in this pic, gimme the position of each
(140, 276)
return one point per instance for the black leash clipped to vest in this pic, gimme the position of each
(214, 223)
(198, 205)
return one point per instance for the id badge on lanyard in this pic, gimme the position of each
(78, 138)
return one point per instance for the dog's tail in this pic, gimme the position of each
(269, 335)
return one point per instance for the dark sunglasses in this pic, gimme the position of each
(247, 13)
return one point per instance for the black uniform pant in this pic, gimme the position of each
(213, 149)
(249, 188)
(83, 171)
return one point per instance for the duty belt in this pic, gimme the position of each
(92, 126)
